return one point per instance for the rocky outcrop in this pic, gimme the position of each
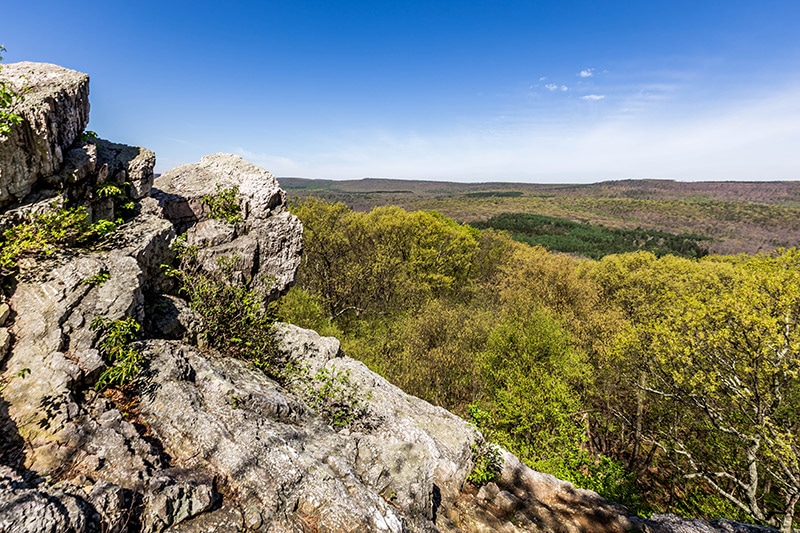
(47, 154)
(54, 306)
(55, 110)
(392, 471)
(268, 239)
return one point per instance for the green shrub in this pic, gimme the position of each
(487, 463)
(88, 136)
(116, 192)
(224, 204)
(333, 395)
(116, 339)
(235, 321)
(97, 279)
(237, 324)
(43, 233)
(8, 98)
(109, 189)
(487, 460)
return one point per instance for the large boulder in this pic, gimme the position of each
(128, 164)
(267, 240)
(55, 110)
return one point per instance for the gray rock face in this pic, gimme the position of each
(54, 307)
(288, 468)
(521, 499)
(55, 111)
(268, 240)
(39, 509)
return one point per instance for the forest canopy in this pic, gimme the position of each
(665, 383)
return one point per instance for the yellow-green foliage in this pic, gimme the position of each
(44, 233)
(535, 377)
(730, 354)
(223, 205)
(116, 338)
(382, 261)
(8, 97)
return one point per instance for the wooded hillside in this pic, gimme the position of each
(736, 217)
(668, 384)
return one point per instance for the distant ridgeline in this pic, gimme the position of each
(562, 235)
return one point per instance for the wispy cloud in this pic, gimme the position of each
(586, 73)
(593, 97)
(556, 87)
(753, 139)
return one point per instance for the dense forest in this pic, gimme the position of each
(666, 383)
(587, 240)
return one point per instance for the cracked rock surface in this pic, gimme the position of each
(56, 111)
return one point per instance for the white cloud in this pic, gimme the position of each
(593, 97)
(556, 87)
(586, 73)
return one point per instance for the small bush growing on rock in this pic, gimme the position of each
(224, 204)
(8, 97)
(235, 321)
(334, 396)
(44, 232)
(117, 336)
(487, 460)
(487, 463)
(115, 192)
(88, 136)
(97, 279)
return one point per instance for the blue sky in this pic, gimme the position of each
(568, 91)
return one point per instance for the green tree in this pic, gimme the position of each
(535, 382)
(438, 355)
(727, 354)
(534, 378)
(384, 261)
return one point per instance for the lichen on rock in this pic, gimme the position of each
(55, 111)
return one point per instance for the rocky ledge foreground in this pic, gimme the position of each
(203, 442)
